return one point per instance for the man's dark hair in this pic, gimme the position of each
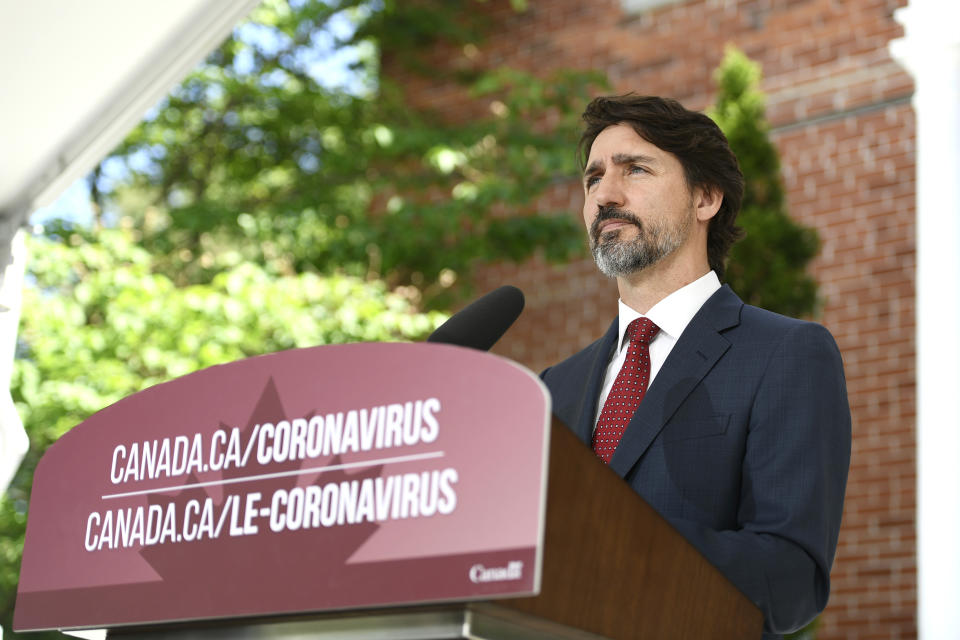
(695, 140)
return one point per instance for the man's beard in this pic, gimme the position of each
(653, 242)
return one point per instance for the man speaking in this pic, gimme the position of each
(731, 421)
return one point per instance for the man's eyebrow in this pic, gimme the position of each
(631, 158)
(592, 168)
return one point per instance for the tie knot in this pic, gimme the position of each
(642, 330)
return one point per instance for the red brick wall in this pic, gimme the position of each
(841, 117)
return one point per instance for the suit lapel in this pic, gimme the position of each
(696, 352)
(598, 365)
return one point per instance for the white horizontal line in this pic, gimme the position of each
(281, 474)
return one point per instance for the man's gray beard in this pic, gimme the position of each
(615, 257)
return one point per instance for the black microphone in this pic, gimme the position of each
(482, 322)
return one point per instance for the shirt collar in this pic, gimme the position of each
(673, 313)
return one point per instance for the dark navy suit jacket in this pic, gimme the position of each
(742, 443)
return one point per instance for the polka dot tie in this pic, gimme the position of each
(627, 390)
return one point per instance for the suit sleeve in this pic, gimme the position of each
(793, 482)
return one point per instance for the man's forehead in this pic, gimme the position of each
(617, 142)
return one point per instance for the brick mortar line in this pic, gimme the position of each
(837, 115)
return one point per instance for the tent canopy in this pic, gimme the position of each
(77, 76)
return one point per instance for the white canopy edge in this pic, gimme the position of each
(68, 106)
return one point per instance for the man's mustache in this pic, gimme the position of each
(611, 213)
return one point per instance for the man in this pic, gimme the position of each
(731, 421)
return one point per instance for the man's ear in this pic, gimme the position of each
(707, 201)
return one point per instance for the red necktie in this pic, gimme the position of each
(627, 391)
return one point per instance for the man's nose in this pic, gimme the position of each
(609, 192)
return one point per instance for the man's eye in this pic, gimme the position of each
(591, 181)
(637, 169)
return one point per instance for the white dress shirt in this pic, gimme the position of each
(672, 315)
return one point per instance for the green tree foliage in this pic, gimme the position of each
(767, 267)
(257, 157)
(100, 323)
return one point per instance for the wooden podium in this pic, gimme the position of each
(354, 491)
(612, 568)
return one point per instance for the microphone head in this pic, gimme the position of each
(481, 323)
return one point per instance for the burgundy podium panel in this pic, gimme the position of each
(315, 479)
